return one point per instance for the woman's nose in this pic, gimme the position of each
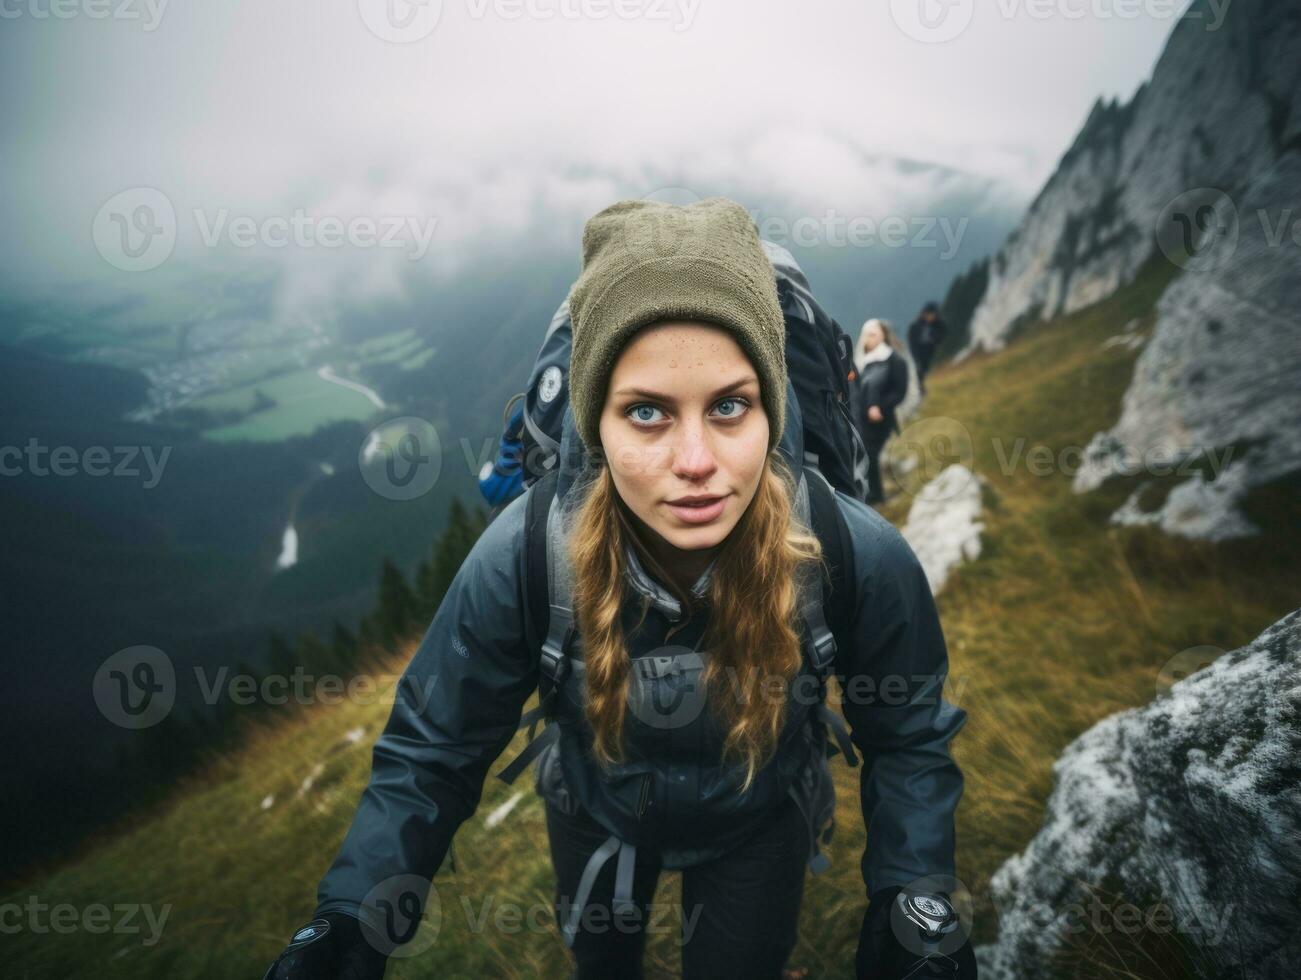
(693, 457)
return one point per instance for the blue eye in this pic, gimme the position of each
(642, 420)
(738, 401)
(639, 408)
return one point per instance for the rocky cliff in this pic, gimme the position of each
(1201, 169)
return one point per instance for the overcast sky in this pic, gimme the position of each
(265, 105)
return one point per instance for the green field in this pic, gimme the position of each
(1061, 621)
(303, 402)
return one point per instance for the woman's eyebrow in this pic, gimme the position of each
(659, 396)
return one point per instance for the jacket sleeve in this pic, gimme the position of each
(892, 681)
(898, 387)
(456, 708)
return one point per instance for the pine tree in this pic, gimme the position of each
(280, 655)
(397, 605)
(343, 647)
(454, 544)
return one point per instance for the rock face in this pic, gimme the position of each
(1221, 375)
(1219, 111)
(943, 526)
(1200, 169)
(1190, 809)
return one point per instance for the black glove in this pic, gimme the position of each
(332, 947)
(882, 956)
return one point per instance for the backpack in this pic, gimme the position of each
(549, 614)
(819, 364)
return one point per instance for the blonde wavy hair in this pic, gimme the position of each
(887, 334)
(750, 643)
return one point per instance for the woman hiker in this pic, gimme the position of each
(684, 546)
(882, 385)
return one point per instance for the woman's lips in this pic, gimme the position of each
(699, 513)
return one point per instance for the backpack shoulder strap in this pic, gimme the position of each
(536, 590)
(550, 621)
(838, 589)
(833, 531)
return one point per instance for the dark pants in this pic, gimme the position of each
(922, 354)
(739, 912)
(875, 436)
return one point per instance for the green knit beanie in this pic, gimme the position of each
(645, 261)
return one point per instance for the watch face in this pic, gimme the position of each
(925, 919)
(932, 907)
(930, 913)
(311, 932)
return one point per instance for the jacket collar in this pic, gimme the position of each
(641, 580)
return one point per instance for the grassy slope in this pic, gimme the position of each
(1062, 621)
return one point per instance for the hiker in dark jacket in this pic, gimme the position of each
(882, 385)
(685, 541)
(924, 335)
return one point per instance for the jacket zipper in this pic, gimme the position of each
(645, 794)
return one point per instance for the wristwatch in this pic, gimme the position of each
(933, 915)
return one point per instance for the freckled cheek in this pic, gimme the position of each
(744, 464)
(637, 473)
